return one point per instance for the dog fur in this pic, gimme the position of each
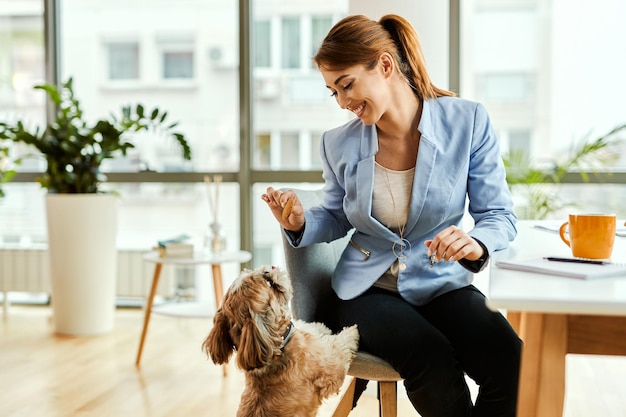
(281, 381)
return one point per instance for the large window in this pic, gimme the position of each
(549, 73)
(171, 59)
(166, 56)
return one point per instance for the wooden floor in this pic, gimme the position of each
(45, 375)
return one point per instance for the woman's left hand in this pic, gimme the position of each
(452, 244)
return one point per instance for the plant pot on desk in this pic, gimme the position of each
(82, 231)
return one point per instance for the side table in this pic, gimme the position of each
(215, 260)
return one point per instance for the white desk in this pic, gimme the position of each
(215, 260)
(555, 316)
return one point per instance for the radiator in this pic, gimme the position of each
(26, 269)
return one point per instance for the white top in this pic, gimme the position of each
(391, 196)
(390, 206)
(533, 292)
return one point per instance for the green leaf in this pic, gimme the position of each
(52, 91)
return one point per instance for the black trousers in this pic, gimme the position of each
(434, 345)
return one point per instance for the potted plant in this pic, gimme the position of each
(533, 183)
(6, 167)
(81, 219)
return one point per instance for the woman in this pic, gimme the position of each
(398, 175)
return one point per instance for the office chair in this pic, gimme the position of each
(310, 269)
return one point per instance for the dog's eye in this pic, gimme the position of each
(270, 283)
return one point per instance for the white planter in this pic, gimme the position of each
(82, 231)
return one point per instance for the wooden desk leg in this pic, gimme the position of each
(148, 310)
(514, 318)
(542, 374)
(218, 285)
(218, 288)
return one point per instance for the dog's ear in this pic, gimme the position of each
(255, 346)
(218, 344)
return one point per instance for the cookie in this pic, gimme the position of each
(287, 209)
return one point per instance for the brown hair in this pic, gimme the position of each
(358, 40)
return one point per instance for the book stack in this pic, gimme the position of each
(176, 247)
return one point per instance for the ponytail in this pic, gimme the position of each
(411, 58)
(366, 40)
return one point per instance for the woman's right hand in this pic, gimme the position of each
(279, 202)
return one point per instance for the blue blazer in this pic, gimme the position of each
(458, 161)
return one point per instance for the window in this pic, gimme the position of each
(262, 44)
(519, 140)
(535, 65)
(290, 38)
(22, 65)
(316, 160)
(21, 68)
(177, 58)
(309, 89)
(320, 25)
(123, 61)
(262, 151)
(177, 65)
(288, 149)
(549, 74)
(157, 51)
(506, 88)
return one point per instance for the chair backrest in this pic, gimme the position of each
(311, 267)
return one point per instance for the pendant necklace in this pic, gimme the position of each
(401, 247)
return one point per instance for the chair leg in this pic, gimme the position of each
(361, 384)
(344, 406)
(388, 398)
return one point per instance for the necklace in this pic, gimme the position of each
(401, 247)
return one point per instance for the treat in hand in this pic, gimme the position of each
(287, 209)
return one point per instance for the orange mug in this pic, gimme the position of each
(590, 235)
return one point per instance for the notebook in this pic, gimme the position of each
(565, 269)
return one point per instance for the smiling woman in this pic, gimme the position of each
(423, 152)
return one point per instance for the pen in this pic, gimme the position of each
(575, 260)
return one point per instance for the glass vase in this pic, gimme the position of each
(214, 241)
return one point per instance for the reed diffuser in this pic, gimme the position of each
(214, 241)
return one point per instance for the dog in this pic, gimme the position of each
(290, 366)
